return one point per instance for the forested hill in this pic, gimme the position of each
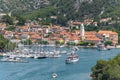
(67, 9)
(22, 5)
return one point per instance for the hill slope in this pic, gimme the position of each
(72, 9)
(21, 5)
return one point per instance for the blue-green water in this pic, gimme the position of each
(41, 69)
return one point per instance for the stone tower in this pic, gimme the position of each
(82, 31)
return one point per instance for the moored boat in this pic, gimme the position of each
(12, 59)
(101, 47)
(40, 56)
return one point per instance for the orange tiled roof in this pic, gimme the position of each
(29, 33)
(95, 22)
(2, 25)
(113, 33)
(74, 38)
(59, 38)
(3, 31)
(77, 23)
(91, 36)
(8, 32)
(18, 33)
(90, 32)
(24, 27)
(36, 36)
(106, 32)
(93, 39)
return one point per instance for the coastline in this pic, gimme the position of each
(118, 46)
(92, 47)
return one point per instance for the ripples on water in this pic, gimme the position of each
(41, 69)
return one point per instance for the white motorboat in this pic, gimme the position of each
(76, 48)
(62, 46)
(54, 75)
(40, 56)
(12, 59)
(54, 54)
(63, 52)
(72, 58)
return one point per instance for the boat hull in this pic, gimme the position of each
(72, 61)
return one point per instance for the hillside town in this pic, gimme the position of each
(52, 33)
(60, 39)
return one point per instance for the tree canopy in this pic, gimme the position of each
(107, 70)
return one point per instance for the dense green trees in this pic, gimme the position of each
(108, 43)
(59, 42)
(107, 70)
(5, 44)
(82, 43)
(42, 42)
(8, 19)
(10, 28)
(26, 42)
(68, 10)
(21, 20)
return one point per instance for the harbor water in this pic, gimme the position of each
(42, 69)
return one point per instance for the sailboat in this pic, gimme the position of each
(39, 54)
(55, 53)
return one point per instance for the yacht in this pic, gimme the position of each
(72, 58)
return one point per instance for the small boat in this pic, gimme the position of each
(76, 48)
(72, 58)
(12, 59)
(62, 46)
(40, 56)
(63, 52)
(54, 54)
(101, 47)
(54, 75)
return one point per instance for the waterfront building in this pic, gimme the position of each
(108, 36)
(91, 36)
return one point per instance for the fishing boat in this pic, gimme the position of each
(72, 58)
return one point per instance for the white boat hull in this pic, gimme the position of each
(72, 61)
